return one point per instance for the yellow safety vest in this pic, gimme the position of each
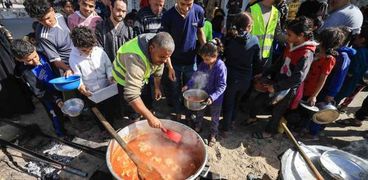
(119, 69)
(264, 33)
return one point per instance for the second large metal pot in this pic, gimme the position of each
(195, 99)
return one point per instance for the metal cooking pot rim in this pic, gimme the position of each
(185, 93)
(144, 123)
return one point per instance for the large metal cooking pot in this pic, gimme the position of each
(327, 113)
(293, 166)
(141, 127)
(194, 99)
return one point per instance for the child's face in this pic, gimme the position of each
(209, 60)
(292, 38)
(48, 19)
(86, 7)
(32, 59)
(68, 8)
(85, 51)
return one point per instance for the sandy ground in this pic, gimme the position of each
(232, 158)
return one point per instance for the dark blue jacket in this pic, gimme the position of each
(37, 77)
(336, 79)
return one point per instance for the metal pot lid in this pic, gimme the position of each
(307, 106)
(293, 166)
(325, 116)
(342, 165)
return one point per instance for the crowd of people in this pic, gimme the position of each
(310, 51)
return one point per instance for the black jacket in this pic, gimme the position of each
(110, 39)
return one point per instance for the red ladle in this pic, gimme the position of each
(172, 135)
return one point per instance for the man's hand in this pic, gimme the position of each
(68, 73)
(172, 75)
(312, 100)
(158, 94)
(84, 90)
(154, 122)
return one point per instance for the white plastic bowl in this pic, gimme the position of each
(73, 107)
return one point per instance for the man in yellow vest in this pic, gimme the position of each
(266, 25)
(135, 62)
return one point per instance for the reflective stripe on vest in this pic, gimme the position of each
(264, 33)
(119, 69)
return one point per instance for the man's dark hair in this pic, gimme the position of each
(21, 48)
(83, 37)
(37, 8)
(113, 2)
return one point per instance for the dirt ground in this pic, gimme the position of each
(232, 158)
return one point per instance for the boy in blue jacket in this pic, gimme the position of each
(36, 71)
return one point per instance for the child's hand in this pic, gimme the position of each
(184, 88)
(270, 88)
(209, 101)
(84, 90)
(112, 80)
(312, 100)
(60, 104)
(68, 73)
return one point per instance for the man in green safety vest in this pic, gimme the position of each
(135, 62)
(266, 20)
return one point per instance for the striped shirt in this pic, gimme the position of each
(147, 21)
(55, 42)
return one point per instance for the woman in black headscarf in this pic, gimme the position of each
(14, 96)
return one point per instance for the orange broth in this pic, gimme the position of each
(171, 160)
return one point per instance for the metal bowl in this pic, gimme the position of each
(327, 113)
(73, 107)
(342, 165)
(194, 99)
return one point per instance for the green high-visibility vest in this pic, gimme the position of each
(119, 69)
(264, 33)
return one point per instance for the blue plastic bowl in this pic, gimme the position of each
(66, 84)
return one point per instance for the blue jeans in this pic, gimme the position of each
(183, 74)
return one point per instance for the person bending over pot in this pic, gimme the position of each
(135, 62)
